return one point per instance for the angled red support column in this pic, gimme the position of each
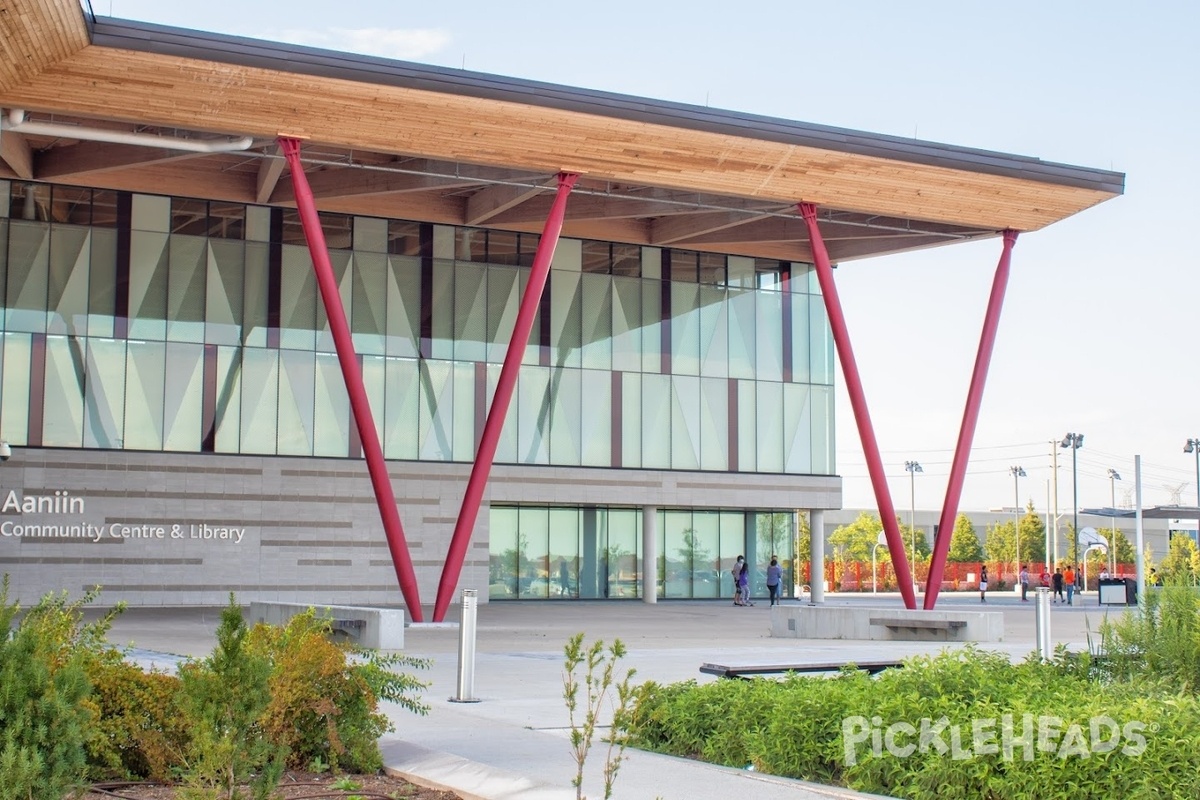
(351, 373)
(966, 434)
(504, 391)
(858, 402)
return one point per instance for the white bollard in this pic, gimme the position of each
(466, 649)
(1044, 645)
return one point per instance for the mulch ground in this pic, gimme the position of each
(294, 786)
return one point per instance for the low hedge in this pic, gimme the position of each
(962, 724)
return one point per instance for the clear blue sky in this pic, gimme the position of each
(1099, 329)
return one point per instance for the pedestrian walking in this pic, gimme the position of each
(774, 576)
(983, 582)
(1024, 584)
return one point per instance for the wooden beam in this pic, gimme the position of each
(669, 230)
(269, 170)
(85, 158)
(583, 206)
(496, 199)
(412, 176)
(15, 152)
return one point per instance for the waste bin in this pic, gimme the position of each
(1117, 592)
(1130, 592)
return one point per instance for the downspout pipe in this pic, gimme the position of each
(18, 124)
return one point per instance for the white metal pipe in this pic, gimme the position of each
(466, 648)
(18, 123)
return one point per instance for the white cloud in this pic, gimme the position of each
(386, 42)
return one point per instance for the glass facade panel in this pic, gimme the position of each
(199, 274)
(183, 393)
(624, 552)
(228, 411)
(676, 549)
(563, 575)
(67, 292)
(533, 539)
(186, 288)
(706, 546)
(331, 408)
(797, 429)
(297, 390)
(224, 292)
(144, 395)
(533, 409)
(104, 397)
(368, 320)
(62, 425)
(504, 557)
(102, 282)
(26, 291)
(14, 393)
(260, 400)
(769, 421)
(685, 422)
(627, 328)
(297, 300)
(596, 309)
(436, 417)
(470, 312)
(149, 266)
(656, 421)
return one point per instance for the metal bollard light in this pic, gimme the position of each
(466, 649)
(1044, 644)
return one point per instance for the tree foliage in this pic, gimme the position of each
(1000, 543)
(964, 542)
(1177, 566)
(854, 542)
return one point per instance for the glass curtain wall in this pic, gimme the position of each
(553, 553)
(172, 324)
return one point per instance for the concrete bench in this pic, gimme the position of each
(745, 672)
(374, 628)
(950, 626)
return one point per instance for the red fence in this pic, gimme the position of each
(855, 576)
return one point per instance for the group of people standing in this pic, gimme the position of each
(1068, 580)
(741, 581)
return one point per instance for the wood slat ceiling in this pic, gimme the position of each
(35, 34)
(389, 150)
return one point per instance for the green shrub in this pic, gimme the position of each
(1160, 642)
(324, 696)
(43, 721)
(224, 697)
(140, 729)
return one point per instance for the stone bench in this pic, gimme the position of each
(746, 671)
(373, 628)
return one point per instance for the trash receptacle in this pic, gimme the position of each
(1130, 592)
(1114, 592)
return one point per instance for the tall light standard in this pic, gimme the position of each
(1017, 472)
(912, 468)
(1113, 477)
(1193, 446)
(1074, 441)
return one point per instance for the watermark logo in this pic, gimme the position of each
(1009, 737)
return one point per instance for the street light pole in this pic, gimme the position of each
(1193, 446)
(1113, 477)
(1017, 472)
(913, 467)
(1074, 441)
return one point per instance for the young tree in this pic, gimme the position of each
(855, 541)
(964, 542)
(1176, 568)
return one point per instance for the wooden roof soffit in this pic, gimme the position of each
(36, 34)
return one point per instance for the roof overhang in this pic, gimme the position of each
(398, 139)
(1152, 512)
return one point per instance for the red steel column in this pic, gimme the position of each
(962, 450)
(504, 391)
(351, 373)
(858, 402)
